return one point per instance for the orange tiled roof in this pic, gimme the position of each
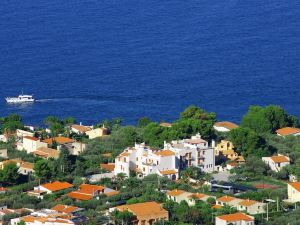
(112, 193)
(3, 189)
(168, 172)
(108, 166)
(287, 131)
(27, 165)
(175, 192)
(295, 185)
(80, 196)
(279, 159)
(247, 202)
(81, 128)
(47, 152)
(65, 208)
(57, 186)
(198, 195)
(226, 198)
(59, 140)
(31, 138)
(88, 188)
(226, 124)
(165, 153)
(236, 217)
(144, 209)
(216, 207)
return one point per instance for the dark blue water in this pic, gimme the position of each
(98, 59)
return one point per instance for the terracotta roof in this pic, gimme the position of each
(226, 198)
(31, 138)
(27, 165)
(198, 196)
(85, 192)
(144, 209)
(216, 207)
(57, 186)
(65, 208)
(167, 172)
(287, 131)
(279, 159)
(295, 185)
(15, 161)
(59, 140)
(165, 153)
(247, 202)
(88, 188)
(47, 152)
(81, 128)
(164, 124)
(226, 124)
(236, 217)
(80, 196)
(232, 163)
(3, 189)
(108, 166)
(195, 141)
(175, 192)
(112, 193)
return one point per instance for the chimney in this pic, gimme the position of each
(213, 143)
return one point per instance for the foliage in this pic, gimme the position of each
(9, 174)
(249, 143)
(267, 119)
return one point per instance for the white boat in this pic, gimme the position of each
(20, 99)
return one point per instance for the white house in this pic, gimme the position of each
(193, 152)
(30, 144)
(276, 162)
(80, 129)
(225, 126)
(3, 153)
(49, 188)
(252, 207)
(144, 160)
(235, 219)
(96, 133)
(293, 192)
(191, 198)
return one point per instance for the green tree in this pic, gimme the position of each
(9, 174)
(42, 169)
(194, 112)
(124, 217)
(268, 119)
(144, 121)
(247, 142)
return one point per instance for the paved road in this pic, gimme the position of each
(222, 176)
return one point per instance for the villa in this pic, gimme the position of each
(97, 132)
(225, 126)
(235, 219)
(146, 213)
(276, 162)
(191, 198)
(226, 149)
(49, 188)
(293, 192)
(193, 152)
(144, 161)
(30, 144)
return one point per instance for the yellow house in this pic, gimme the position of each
(294, 192)
(226, 148)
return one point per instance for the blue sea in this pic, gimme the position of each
(98, 59)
